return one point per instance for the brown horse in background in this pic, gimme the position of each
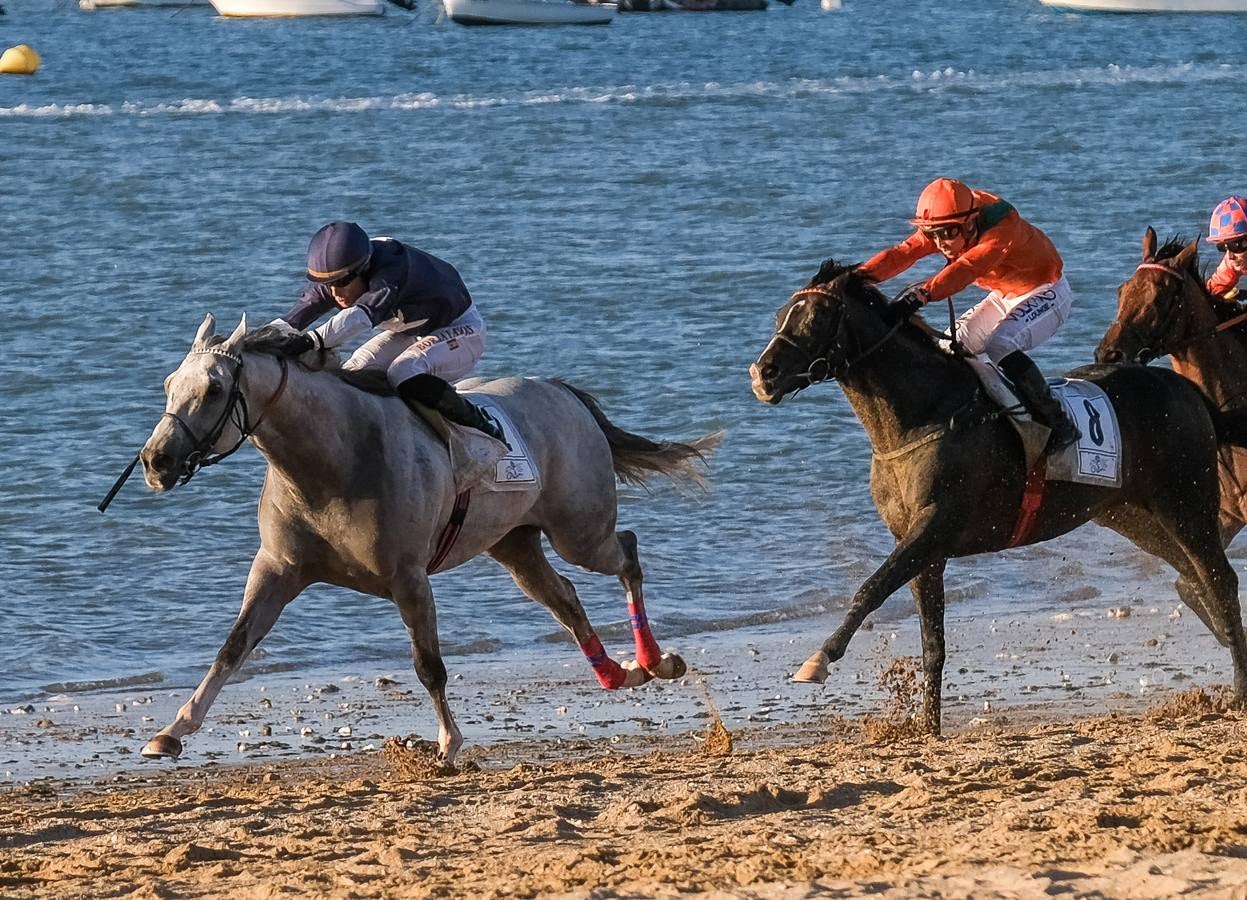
(948, 479)
(1163, 308)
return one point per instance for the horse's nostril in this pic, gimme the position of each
(1111, 356)
(768, 371)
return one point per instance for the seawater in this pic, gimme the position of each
(628, 204)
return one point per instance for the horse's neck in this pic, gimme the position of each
(300, 432)
(904, 387)
(1214, 360)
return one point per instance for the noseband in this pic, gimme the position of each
(235, 412)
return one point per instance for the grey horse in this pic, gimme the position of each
(359, 493)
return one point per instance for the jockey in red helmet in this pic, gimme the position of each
(430, 333)
(987, 243)
(1228, 231)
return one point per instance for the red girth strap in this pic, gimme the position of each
(450, 533)
(1032, 500)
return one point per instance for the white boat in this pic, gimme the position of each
(292, 8)
(529, 12)
(132, 4)
(1154, 6)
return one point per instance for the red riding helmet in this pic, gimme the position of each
(337, 252)
(1229, 221)
(942, 201)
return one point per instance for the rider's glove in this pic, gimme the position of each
(908, 303)
(302, 343)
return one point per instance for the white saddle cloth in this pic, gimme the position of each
(1095, 458)
(481, 463)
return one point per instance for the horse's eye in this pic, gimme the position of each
(214, 388)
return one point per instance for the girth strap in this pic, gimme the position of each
(1032, 500)
(450, 534)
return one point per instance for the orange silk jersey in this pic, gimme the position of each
(1011, 256)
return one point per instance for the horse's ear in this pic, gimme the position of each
(206, 330)
(1149, 244)
(1187, 255)
(234, 342)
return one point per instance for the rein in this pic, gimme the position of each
(235, 412)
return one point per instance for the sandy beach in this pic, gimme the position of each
(1086, 753)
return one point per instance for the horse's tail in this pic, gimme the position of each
(636, 459)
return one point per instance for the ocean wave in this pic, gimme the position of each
(673, 92)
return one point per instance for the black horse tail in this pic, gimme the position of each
(636, 459)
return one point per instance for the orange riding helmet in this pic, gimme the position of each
(942, 201)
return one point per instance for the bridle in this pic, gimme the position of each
(819, 367)
(1147, 353)
(235, 412)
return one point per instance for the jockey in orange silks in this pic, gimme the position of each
(987, 243)
(1228, 231)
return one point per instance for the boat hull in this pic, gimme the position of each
(271, 9)
(528, 12)
(1153, 6)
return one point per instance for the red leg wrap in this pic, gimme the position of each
(648, 655)
(609, 673)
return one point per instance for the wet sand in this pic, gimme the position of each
(1082, 756)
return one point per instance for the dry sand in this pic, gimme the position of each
(1065, 770)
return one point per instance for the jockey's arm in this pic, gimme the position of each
(371, 308)
(1224, 280)
(314, 302)
(896, 259)
(967, 268)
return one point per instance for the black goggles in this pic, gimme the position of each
(1238, 245)
(943, 232)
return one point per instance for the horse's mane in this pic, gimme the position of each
(854, 284)
(1175, 245)
(273, 342)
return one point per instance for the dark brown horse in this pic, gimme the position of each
(948, 479)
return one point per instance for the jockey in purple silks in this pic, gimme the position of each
(430, 331)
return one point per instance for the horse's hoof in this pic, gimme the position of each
(814, 670)
(634, 675)
(163, 746)
(670, 666)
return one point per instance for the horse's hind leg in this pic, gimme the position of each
(616, 554)
(520, 552)
(414, 597)
(1194, 550)
(1141, 529)
(269, 588)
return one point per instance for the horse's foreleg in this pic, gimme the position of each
(269, 588)
(521, 554)
(648, 655)
(928, 591)
(912, 553)
(414, 597)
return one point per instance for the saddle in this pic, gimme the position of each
(1095, 458)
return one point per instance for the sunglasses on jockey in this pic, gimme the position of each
(1238, 245)
(344, 280)
(944, 232)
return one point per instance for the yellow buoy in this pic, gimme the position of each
(19, 60)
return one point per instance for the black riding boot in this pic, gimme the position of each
(437, 394)
(1032, 389)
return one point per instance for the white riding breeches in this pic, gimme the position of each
(999, 325)
(449, 353)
